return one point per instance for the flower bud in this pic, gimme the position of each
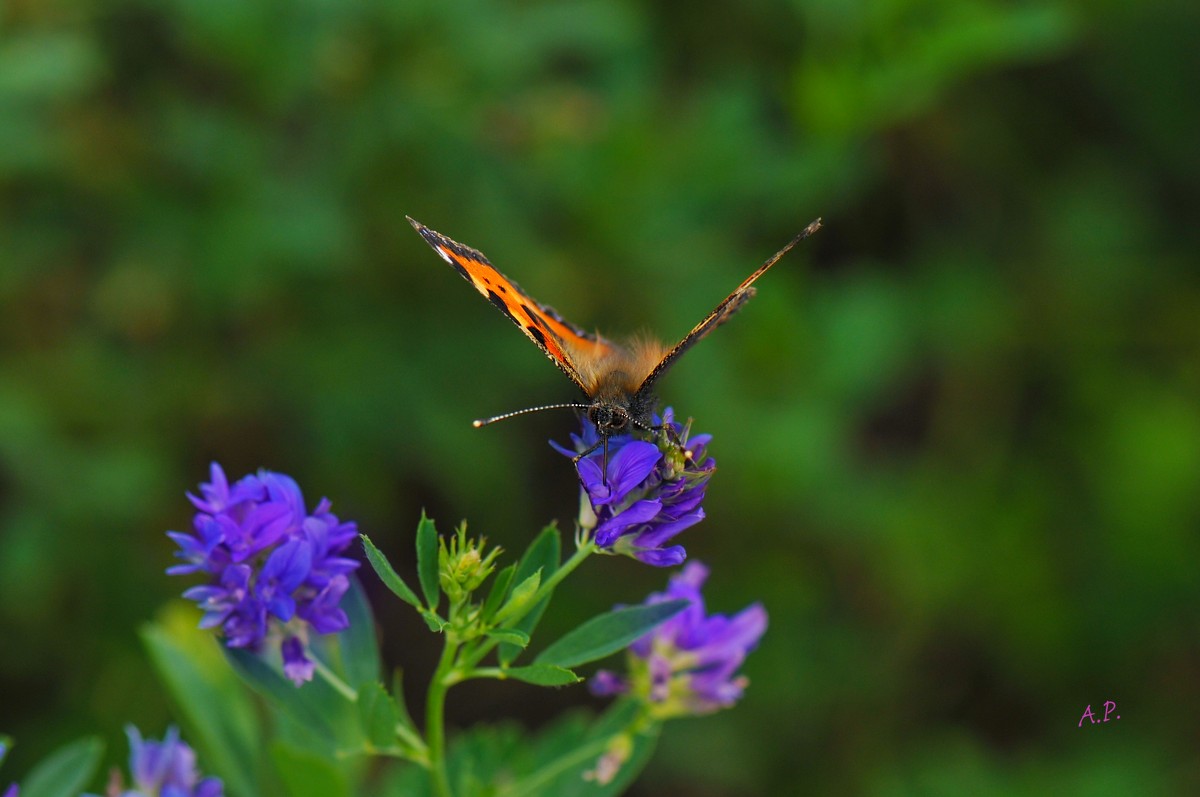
(462, 565)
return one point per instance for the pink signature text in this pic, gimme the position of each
(1088, 714)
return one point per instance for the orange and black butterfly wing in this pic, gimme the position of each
(561, 341)
(723, 311)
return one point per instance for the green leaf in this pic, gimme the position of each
(543, 553)
(306, 774)
(388, 575)
(543, 675)
(477, 761)
(398, 697)
(518, 602)
(66, 772)
(556, 769)
(379, 716)
(499, 591)
(436, 624)
(427, 561)
(281, 693)
(510, 636)
(220, 717)
(359, 648)
(608, 633)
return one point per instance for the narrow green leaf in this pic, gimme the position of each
(557, 769)
(510, 636)
(427, 561)
(543, 675)
(388, 575)
(339, 709)
(359, 647)
(401, 704)
(436, 624)
(498, 592)
(220, 717)
(379, 716)
(280, 692)
(66, 772)
(544, 554)
(608, 633)
(306, 774)
(518, 602)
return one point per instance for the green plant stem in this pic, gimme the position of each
(435, 718)
(331, 678)
(450, 672)
(417, 750)
(582, 552)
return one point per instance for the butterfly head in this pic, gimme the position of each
(615, 408)
(609, 418)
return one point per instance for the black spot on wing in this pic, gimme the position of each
(495, 299)
(536, 334)
(537, 317)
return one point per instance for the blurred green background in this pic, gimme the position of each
(958, 432)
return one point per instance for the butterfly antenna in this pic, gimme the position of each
(486, 421)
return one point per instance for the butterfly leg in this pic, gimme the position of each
(604, 472)
(575, 459)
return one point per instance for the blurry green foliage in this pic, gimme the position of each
(958, 432)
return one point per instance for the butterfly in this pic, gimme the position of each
(617, 379)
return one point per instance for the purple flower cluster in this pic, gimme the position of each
(13, 789)
(270, 564)
(166, 768)
(688, 665)
(650, 491)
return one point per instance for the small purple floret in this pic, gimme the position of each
(688, 665)
(166, 768)
(296, 665)
(268, 562)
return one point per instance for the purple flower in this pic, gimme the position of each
(165, 769)
(650, 492)
(688, 665)
(13, 789)
(268, 564)
(296, 665)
